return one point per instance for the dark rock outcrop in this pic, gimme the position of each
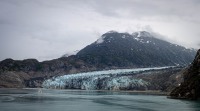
(163, 80)
(190, 88)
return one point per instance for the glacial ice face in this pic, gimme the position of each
(120, 79)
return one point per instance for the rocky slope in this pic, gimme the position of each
(31, 73)
(140, 49)
(190, 88)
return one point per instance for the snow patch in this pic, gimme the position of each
(139, 34)
(137, 39)
(70, 53)
(142, 34)
(100, 40)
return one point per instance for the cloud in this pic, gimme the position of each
(47, 29)
(151, 8)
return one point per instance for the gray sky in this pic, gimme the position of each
(47, 29)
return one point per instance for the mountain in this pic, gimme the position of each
(140, 49)
(190, 87)
(112, 51)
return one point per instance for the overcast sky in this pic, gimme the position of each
(47, 29)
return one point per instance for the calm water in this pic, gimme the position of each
(70, 100)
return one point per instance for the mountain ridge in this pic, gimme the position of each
(139, 49)
(114, 50)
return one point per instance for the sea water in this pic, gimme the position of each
(83, 100)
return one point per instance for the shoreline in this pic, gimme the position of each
(146, 92)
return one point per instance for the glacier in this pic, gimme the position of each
(118, 79)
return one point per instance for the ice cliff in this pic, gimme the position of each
(119, 79)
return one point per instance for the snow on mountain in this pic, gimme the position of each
(70, 53)
(100, 40)
(143, 37)
(123, 36)
(140, 49)
(142, 34)
(66, 55)
(139, 36)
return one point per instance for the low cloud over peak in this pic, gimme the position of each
(46, 29)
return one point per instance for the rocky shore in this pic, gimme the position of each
(190, 88)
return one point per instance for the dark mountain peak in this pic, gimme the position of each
(113, 36)
(142, 36)
(109, 33)
(141, 49)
